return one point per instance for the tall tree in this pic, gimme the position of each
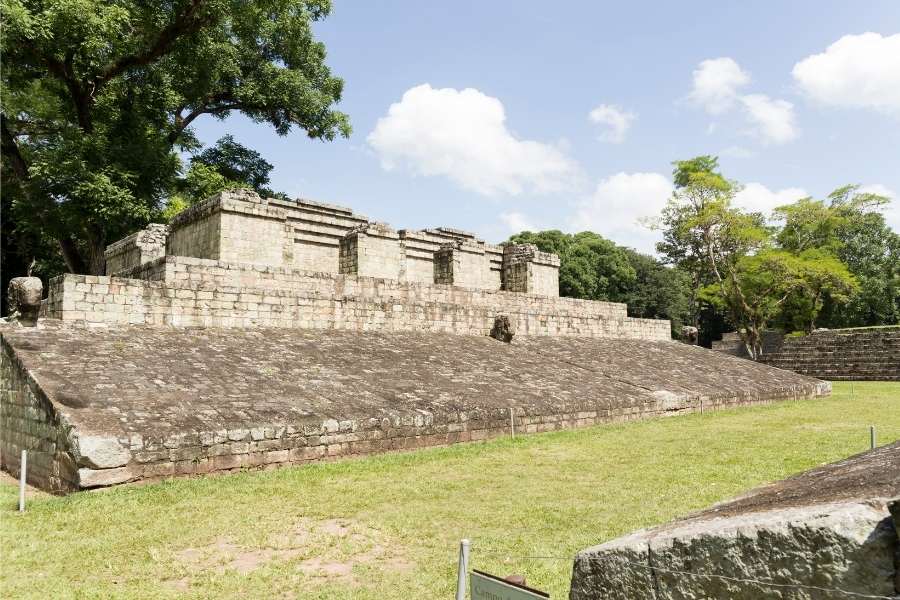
(100, 96)
(849, 226)
(698, 185)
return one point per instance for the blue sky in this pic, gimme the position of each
(493, 116)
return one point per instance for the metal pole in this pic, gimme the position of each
(23, 469)
(512, 423)
(872, 441)
(463, 570)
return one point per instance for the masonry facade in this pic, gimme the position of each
(239, 260)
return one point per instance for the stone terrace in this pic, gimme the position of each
(103, 406)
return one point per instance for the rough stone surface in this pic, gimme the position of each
(101, 452)
(863, 354)
(502, 329)
(826, 528)
(24, 300)
(193, 292)
(239, 226)
(194, 401)
(136, 249)
(91, 478)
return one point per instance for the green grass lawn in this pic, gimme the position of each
(388, 526)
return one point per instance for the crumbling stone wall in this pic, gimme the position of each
(197, 292)
(372, 250)
(136, 249)
(461, 264)
(239, 226)
(530, 271)
(28, 421)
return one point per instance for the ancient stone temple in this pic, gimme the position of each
(254, 332)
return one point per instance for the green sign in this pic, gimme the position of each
(489, 587)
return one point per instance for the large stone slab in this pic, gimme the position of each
(154, 402)
(826, 529)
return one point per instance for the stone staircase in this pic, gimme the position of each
(866, 354)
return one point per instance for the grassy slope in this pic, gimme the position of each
(550, 494)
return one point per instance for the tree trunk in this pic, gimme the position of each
(72, 255)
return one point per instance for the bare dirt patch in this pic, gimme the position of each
(325, 550)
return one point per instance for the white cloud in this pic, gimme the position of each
(516, 222)
(462, 135)
(756, 197)
(892, 210)
(716, 84)
(773, 119)
(616, 121)
(619, 203)
(857, 71)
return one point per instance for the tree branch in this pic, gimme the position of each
(207, 108)
(11, 150)
(185, 23)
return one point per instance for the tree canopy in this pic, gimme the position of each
(99, 97)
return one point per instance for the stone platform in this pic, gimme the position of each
(102, 406)
(831, 532)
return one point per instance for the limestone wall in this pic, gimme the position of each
(865, 354)
(182, 291)
(136, 249)
(372, 250)
(239, 226)
(530, 271)
(28, 421)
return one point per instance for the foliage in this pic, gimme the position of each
(130, 541)
(591, 266)
(99, 97)
(594, 268)
(698, 184)
(756, 274)
(849, 226)
(235, 162)
(658, 291)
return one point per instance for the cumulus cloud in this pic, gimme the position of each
(716, 84)
(773, 119)
(857, 71)
(756, 197)
(618, 205)
(615, 120)
(462, 135)
(516, 222)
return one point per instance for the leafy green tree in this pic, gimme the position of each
(100, 96)
(850, 226)
(698, 185)
(236, 162)
(658, 291)
(594, 268)
(591, 266)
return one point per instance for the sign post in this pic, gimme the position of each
(491, 587)
(462, 570)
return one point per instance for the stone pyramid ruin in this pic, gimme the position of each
(253, 332)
